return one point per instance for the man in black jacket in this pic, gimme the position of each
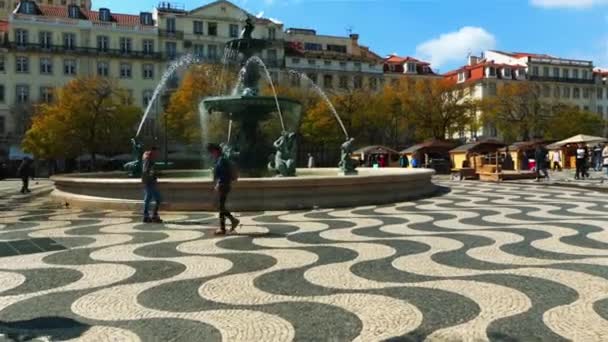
(223, 175)
(150, 181)
(25, 172)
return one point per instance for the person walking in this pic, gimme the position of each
(605, 158)
(150, 180)
(223, 176)
(557, 161)
(540, 157)
(581, 161)
(311, 161)
(403, 161)
(25, 172)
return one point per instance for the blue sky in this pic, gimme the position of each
(440, 31)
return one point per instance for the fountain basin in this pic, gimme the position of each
(249, 105)
(313, 188)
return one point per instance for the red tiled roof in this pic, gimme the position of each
(62, 12)
(484, 63)
(394, 59)
(523, 54)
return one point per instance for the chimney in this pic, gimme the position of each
(473, 60)
(354, 36)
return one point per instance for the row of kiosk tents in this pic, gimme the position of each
(431, 154)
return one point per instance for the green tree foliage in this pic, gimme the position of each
(568, 121)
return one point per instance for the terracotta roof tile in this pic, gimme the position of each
(400, 60)
(62, 12)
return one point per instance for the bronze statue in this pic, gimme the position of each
(248, 30)
(347, 165)
(134, 166)
(284, 164)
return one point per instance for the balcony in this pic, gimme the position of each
(561, 79)
(171, 34)
(60, 49)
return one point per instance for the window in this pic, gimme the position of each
(600, 93)
(295, 60)
(234, 31)
(28, 7)
(328, 81)
(585, 74)
(22, 64)
(600, 110)
(343, 65)
(148, 71)
(197, 27)
(575, 73)
(2, 64)
(212, 29)
(147, 97)
(272, 33)
(557, 92)
(492, 72)
(586, 93)
(46, 66)
(545, 71)
(148, 46)
(492, 88)
(21, 37)
(1, 94)
(69, 41)
(327, 63)
(373, 83)
(343, 82)
(69, 67)
(74, 12)
(521, 73)
(125, 70)
(171, 48)
(125, 45)
(313, 47)
(2, 5)
(312, 62)
(46, 94)
(566, 92)
(461, 77)
(2, 123)
(566, 73)
(555, 72)
(507, 72)
(576, 93)
(358, 82)
(103, 43)
(272, 56)
(171, 25)
(336, 48)
(45, 40)
(212, 51)
(145, 18)
(546, 91)
(104, 14)
(103, 69)
(199, 50)
(411, 67)
(22, 94)
(535, 71)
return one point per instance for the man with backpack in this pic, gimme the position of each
(150, 180)
(224, 173)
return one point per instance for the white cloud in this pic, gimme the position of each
(454, 46)
(567, 3)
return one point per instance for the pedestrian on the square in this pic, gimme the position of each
(403, 161)
(540, 157)
(311, 161)
(223, 176)
(557, 161)
(582, 155)
(597, 158)
(605, 157)
(149, 178)
(24, 172)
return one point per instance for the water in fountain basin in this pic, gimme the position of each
(173, 67)
(322, 94)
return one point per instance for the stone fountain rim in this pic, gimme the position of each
(246, 98)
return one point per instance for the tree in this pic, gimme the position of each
(90, 115)
(569, 120)
(518, 111)
(182, 114)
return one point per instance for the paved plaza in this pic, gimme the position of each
(480, 261)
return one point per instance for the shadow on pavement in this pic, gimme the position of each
(54, 328)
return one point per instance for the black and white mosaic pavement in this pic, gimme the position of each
(497, 262)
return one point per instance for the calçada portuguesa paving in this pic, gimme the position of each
(504, 262)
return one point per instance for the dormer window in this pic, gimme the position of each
(28, 7)
(145, 18)
(74, 11)
(411, 68)
(506, 72)
(461, 77)
(491, 71)
(104, 14)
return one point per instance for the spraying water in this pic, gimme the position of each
(204, 122)
(321, 93)
(257, 60)
(173, 67)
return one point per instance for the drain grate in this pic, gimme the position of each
(28, 246)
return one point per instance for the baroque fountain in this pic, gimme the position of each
(266, 183)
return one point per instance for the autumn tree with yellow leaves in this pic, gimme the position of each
(90, 116)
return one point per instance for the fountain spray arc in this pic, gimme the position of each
(247, 110)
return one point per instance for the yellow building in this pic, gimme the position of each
(46, 46)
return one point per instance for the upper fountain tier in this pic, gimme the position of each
(246, 44)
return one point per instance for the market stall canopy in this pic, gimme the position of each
(484, 146)
(581, 138)
(376, 149)
(430, 145)
(525, 145)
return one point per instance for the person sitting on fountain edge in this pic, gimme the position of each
(150, 181)
(223, 175)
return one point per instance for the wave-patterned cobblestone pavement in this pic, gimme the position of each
(481, 262)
